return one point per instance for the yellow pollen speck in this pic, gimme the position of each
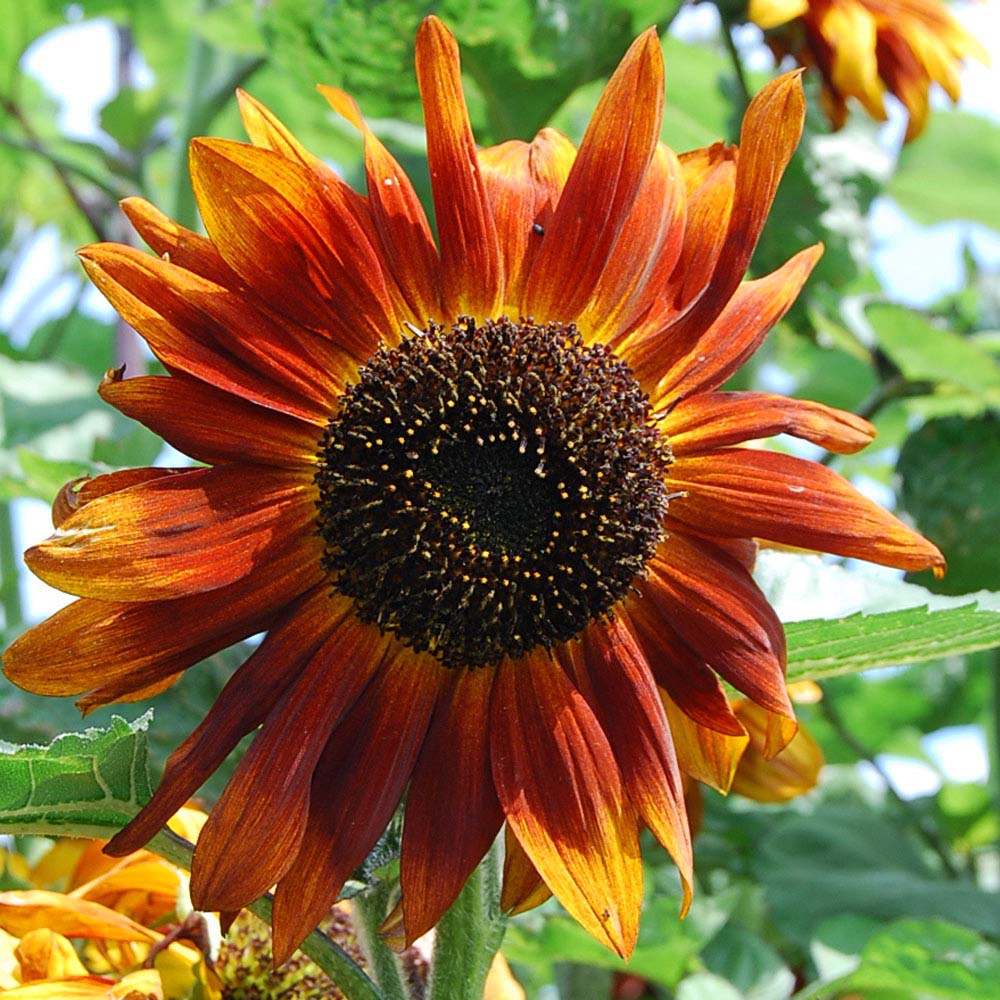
(408, 474)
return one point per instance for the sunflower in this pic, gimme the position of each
(864, 47)
(482, 495)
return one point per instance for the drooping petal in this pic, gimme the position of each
(256, 827)
(407, 245)
(523, 888)
(561, 790)
(210, 425)
(611, 671)
(451, 790)
(241, 707)
(679, 670)
(116, 648)
(717, 609)
(24, 910)
(358, 783)
(472, 276)
(278, 229)
(212, 334)
(850, 28)
(613, 158)
(43, 953)
(79, 492)
(704, 754)
(176, 535)
(711, 420)
(745, 491)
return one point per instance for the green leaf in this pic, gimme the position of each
(82, 784)
(824, 648)
(951, 173)
(747, 962)
(130, 116)
(930, 959)
(696, 110)
(949, 471)
(924, 352)
(846, 858)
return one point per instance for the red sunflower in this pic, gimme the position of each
(482, 496)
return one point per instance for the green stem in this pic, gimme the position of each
(926, 831)
(10, 591)
(370, 909)
(350, 978)
(469, 935)
(993, 737)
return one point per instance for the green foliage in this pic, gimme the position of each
(951, 172)
(82, 784)
(949, 470)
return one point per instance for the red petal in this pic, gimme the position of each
(561, 791)
(471, 265)
(715, 419)
(217, 336)
(771, 130)
(611, 671)
(280, 229)
(117, 648)
(747, 492)
(452, 812)
(407, 245)
(717, 609)
(613, 158)
(241, 707)
(357, 785)
(253, 833)
(213, 426)
(79, 492)
(177, 535)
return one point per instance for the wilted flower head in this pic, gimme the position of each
(864, 48)
(483, 495)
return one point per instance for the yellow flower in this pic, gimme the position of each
(864, 47)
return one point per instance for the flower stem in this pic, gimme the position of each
(469, 935)
(735, 58)
(371, 907)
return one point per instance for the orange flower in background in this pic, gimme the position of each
(484, 498)
(863, 48)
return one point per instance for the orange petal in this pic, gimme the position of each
(256, 827)
(240, 708)
(24, 910)
(561, 791)
(451, 790)
(358, 783)
(79, 492)
(716, 419)
(718, 610)
(645, 253)
(792, 772)
(178, 245)
(613, 158)
(43, 953)
(176, 535)
(771, 130)
(217, 336)
(472, 277)
(611, 671)
(210, 425)
(116, 648)
(678, 370)
(523, 888)
(745, 491)
(706, 755)
(407, 245)
(279, 229)
(523, 182)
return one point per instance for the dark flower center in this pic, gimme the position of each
(488, 489)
